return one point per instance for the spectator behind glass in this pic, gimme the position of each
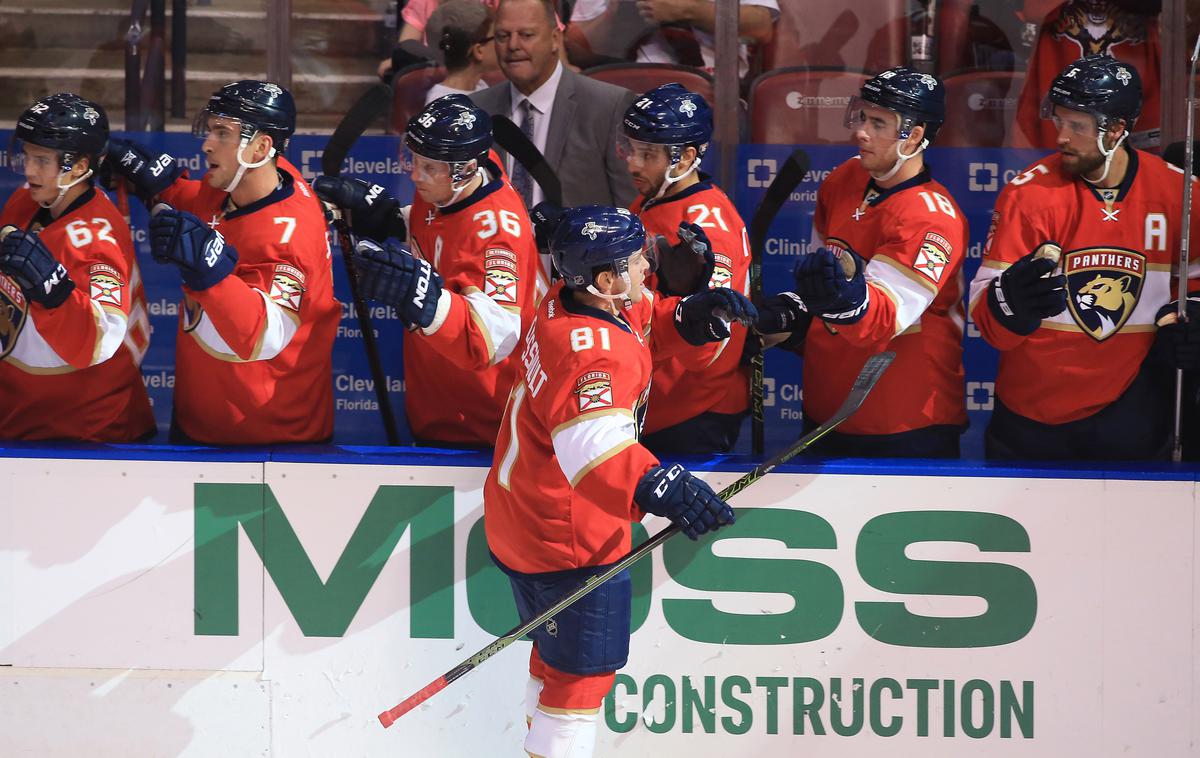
(462, 30)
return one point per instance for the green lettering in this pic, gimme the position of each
(967, 706)
(663, 682)
(803, 708)
(610, 706)
(489, 593)
(922, 686)
(731, 700)
(1021, 710)
(706, 708)
(772, 683)
(893, 726)
(836, 706)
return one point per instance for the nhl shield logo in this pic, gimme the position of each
(1103, 287)
(13, 312)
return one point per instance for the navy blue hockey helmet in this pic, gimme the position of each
(670, 115)
(451, 129)
(1100, 85)
(64, 122)
(919, 98)
(257, 106)
(591, 237)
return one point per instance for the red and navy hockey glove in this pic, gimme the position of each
(149, 174)
(1026, 293)
(705, 317)
(203, 256)
(832, 285)
(684, 498)
(374, 213)
(35, 270)
(394, 276)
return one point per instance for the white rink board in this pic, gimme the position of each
(104, 602)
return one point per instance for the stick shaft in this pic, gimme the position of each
(1185, 246)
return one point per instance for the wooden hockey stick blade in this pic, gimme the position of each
(513, 141)
(371, 105)
(863, 383)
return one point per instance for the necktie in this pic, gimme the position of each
(521, 180)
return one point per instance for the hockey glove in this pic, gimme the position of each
(203, 256)
(1026, 293)
(394, 276)
(832, 285)
(1178, 344)
(39, 275)
(687, 500)
(685, 268)
(374, 213)
(149, 174)
(705, 317)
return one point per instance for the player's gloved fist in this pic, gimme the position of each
(148, 173)
(1177, 344)
(1026, 293)
(684, 498)
(394, 276)
(203, 256)
(39, 275)
(545, 217)
(687, 267)
(784, 312)
(832, 285)
(374, 213)
(705, 317)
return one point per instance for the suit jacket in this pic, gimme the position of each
(581, 141)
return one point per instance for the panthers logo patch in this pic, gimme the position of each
(594, 390)
(500, 275)
(287, 287)
(13, 312)
(105, 285)
(1103, 287)
(722, 275)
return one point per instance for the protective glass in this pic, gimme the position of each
(40, 158)
(225, 130)
(1080, 123)
(877, 122)
(425, 169)
(641, 153)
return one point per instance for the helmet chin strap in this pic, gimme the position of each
(669, 180)
(461, 186)
(1108, 154)
(243, 165)
(622, 295)
(901, 159)
(62, 188)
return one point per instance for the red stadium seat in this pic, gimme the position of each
(802, 106)
(409, 87)
(981, 107)
(641, 77)
(830, 35)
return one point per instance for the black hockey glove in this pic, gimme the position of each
(832, 285)
(373, 213)
(545, 217)
(687, 500)
(1026, 293)
(149, 174)
(705, 317)
(203, 256)
(40, 276)
(1178, 344)
(394, 276)
(685, 268)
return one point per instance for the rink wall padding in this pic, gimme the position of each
(155, 602)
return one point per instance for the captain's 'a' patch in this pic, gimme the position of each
(13, 313)
(934, 256)
(1103, 287)
(594, 391)
(287, 287)
(500, 277)
(105, 284)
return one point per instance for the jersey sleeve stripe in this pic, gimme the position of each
(587, 441)
(500, 327)
(111, 326)
(278, 329)
(910, 295)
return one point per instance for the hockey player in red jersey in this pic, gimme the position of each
(888, 276)
(470, 284)
(569, 475)
(663, 137)
(1077, 269)
(73, 324)
(254, 354)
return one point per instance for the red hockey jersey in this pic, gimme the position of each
(560, 491)
(679, 393)
(1118, 249)
(254, 355)
(71, 372)
(914, 238)
(457, 371)
(1067, 36)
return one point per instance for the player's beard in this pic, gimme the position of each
(1079, 165)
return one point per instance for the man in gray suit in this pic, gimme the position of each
(571, 118)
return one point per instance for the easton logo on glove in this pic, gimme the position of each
(422, 284)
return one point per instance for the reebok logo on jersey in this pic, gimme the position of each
(287, 287)
(105, 285)
(500, 277)
(1103, 288)
(934, 256)
(13, 310)
(594, 390)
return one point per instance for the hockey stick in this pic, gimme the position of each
(371, 105)
(786, 180)
(514, 142)
(1184, 247)
(874, 368)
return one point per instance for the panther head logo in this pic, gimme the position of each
(1103, 287)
